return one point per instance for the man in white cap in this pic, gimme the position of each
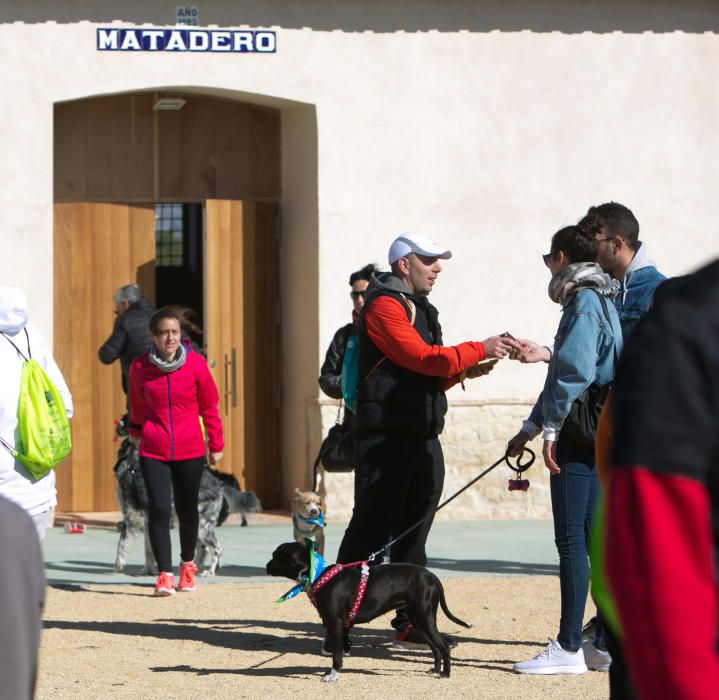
(404, 370)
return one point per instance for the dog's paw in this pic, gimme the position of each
(438, 674)
(332, 677)
(145, 571)
(206, 573)
(119, 567)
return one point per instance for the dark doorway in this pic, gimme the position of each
(181, 203)
(178, 258)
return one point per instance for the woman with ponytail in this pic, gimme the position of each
(586, 347)
(171, 388)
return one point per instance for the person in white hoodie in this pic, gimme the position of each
(36, 496)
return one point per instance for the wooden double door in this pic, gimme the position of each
(98, 247)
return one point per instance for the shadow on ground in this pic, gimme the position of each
(100, 567)
(493, 566)
(281, 637)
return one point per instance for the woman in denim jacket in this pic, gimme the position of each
(586, 346)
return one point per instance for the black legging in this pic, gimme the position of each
(184, 476)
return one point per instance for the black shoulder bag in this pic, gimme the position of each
(580, 426)
(337, 452)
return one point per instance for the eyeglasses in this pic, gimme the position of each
(357, 295)
(547, 257)
(601, 240)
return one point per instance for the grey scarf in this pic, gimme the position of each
(172, 365)
(584, 275)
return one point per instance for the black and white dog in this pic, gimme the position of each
(217, 499)
(389, 586)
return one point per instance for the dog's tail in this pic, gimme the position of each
(446, 610)
(241, 501)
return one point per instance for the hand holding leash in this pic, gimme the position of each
(519, 467)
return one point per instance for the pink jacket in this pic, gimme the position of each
(165, 408)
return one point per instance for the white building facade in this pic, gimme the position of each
(484, 125)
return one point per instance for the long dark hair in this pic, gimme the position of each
(575, 244)
(181, 314)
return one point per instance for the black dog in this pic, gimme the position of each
(390, 586)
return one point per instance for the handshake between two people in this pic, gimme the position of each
(500, 347)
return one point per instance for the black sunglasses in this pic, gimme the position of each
(547, 257)
(357, 295)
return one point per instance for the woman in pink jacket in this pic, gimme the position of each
(170, 389)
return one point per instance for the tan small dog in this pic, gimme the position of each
(308, 518)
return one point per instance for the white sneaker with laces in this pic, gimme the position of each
(553, 660)
(596, 659)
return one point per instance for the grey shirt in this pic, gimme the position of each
(22, 598)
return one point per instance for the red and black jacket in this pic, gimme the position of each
(662, 537)
(403, 366)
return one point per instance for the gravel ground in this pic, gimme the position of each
(233, 641)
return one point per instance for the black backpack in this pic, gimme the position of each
(580, 426)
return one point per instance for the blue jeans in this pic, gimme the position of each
(575, 494)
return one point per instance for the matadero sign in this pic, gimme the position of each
(192, 40)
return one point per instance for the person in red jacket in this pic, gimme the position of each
(661, 540)
(171, 388)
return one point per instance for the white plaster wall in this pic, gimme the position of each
(486, 140)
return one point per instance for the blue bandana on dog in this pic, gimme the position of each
(320, 521)
(316, 567)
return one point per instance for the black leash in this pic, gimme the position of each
(518, 468)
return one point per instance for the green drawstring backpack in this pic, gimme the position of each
(43, 435)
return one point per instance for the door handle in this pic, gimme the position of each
(230, 379)
(234, 378)
(227, 384)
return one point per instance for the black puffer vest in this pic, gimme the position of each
(390, 397)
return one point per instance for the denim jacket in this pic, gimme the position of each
(635, 297)
(585, 350)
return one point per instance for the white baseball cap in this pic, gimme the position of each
(409, 243)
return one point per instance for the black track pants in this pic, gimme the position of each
(398, 481)
(162, 479)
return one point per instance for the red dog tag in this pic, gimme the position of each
(518, 484)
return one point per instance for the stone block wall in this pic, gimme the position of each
(475, 436)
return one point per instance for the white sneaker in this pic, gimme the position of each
(553, 660)
(596, 659)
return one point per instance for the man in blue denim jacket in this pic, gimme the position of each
(624, 257)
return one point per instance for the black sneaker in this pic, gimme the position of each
(589, 631)
(410, 638)
(326, 648)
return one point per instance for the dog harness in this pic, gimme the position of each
(316, 575)
(329, 573)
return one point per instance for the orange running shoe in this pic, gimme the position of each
(165, 584)
(187, 577)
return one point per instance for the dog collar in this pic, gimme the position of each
(320, 521)
(316, 566)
